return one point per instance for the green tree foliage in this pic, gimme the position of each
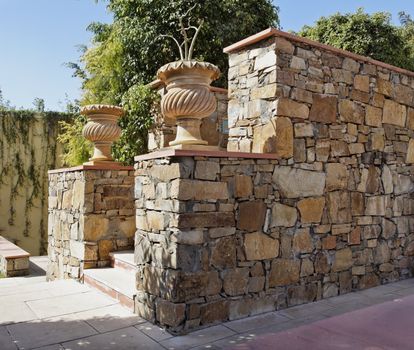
(126, 54)
(369, 35)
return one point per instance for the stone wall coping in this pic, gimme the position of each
(155, 84)
(203, 153)
(273, 32)
(9, 250)
(91, 167)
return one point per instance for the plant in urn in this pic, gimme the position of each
(102, 130)
(188, 99)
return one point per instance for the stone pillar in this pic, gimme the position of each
(91, 213)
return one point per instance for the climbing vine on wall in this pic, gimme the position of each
(28, 149)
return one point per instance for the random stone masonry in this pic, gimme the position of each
(91, 213)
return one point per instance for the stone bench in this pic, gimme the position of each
(14, 261)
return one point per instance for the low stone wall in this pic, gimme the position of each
(227, 235)
(214, 129)
(91, 213)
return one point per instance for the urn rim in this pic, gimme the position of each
(184, 66)
(102, 109)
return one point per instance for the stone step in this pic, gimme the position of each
(123, 260)
(14, 261)
(117, 283)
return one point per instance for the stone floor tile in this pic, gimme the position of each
(123, 339)
(6, 341)
(51, 347)
(30, 335)
(197, 338)
(109, 318)
(13, 312)
(344, 308)
(153, 331)
(404, 292)
(255, 322)
(305, 310)
(56, 306)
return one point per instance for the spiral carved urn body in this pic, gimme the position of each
(188, 98)
(102, 129)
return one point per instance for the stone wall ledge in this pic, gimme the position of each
(206, 153)
(273, 32)
(91, 167)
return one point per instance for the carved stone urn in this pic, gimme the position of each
(102, 129)
(188, 99)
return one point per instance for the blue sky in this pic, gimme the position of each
(38, 36)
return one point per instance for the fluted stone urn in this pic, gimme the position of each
(102, 130)
(188, 99)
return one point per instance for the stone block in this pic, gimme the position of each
(206, 170)
(95, 227)
(394, 113)
(303, 130)
(296, 183)
(302, 241)
(235, 281)
(223, 253)
(183, 189)
(169, 314)
(251, 215)
(373, 116)
(361, 82)
(209, 219)
(216, 311)
(283, 215)
(336, 176)
(311, 209)
(259, 246)
(342, 260)
(339, 207)
(410, 152)
(243, 186)
(375, 205)
(284, 272)
(288, 108)
(351, 112)
(266, 60)
(324, 109)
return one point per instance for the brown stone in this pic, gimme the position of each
(373, 179)
(208, 219)
(324, 109)
(170, 314)
(342, 260)
(384, 87)
(223, 253)
(354, 237)
(286, 107)
(306, 268)
(410, 152)
(336, 176)
(216, 311)
(369, 281)
(377, 142)
(373, 116)
(339, 148)
(283, 215)
(235, 281)
(375, 205)
(251, 215)
(299, 150)
(311, 209)
(214, 283)
(284, 272)
(95, 227)
(322, 263)
(329, 242)
(342, 76)
(361, 82)
(302, 241)
(184, 189)
(394, 113)
(156, 220)
(259, 246)
(243, 186)
(403, 94)
(339, 207)
(410, 118)
(351, 112)
(105, 247)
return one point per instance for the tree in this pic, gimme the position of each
(126, 54)
(368, 35)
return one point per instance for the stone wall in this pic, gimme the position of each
(327, 210)
(213, 128)
(91, 213)
(224, 237)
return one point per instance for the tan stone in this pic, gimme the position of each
(214, 312)
(329, 242)
(384, 87)
(410, 118)
(283, 215)
(339, 207)
(95, 227)
(259, 246)
(342, 260)
(184, 189)
(235, 281)
(351, 112)
(354, 237)
(207, 170)
(342, 76)
(283, 45)
(357, 203)
(410, 152)
(361, 82)
(288, 108)
(284, 272)
(373, 116)
(394, 113)
(296, 183)
(274, 137)
(311, 209)
(243, 186)
(223, 253)
(267, 91)
(169, 314)
(351, 65)
(336, 176)
(324, 109)
(377, 142)
(302, 241)
(156, 220)
(105, 246)
(251, 215)
(306, 268)
(375, 205)
(208, 219)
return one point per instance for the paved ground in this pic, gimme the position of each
(60, 315)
